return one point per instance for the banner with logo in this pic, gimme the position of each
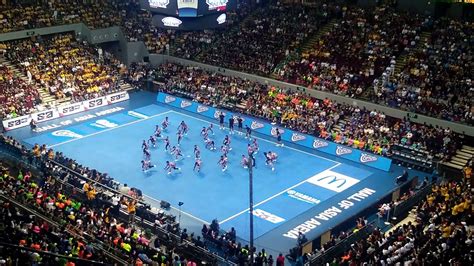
(16, 122)
(65, 110)
(45, 115)
(263, 127)
(117, 97)
(70, 109)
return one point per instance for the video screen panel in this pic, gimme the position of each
(188, 8)
(215, 20)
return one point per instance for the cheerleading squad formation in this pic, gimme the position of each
(209, 143)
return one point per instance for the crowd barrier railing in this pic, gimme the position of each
(344, 245)
(398, 211)
(402, 209)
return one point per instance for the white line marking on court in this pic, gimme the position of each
(272, 197)
(269, 141)
(109, 129)
(137, 114)
(176, 209)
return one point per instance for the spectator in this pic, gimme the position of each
(280, 260)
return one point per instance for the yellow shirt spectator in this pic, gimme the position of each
(446, 231)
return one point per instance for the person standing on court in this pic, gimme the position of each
(239, 124)
(278, 135)
(221, 120)
(231, 125)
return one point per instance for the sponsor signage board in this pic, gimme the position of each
(264, 127)
(64, 110)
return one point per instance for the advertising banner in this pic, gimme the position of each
(45, 115)
(70, 109)
(64, 110)
(263, 127)
(16, 122)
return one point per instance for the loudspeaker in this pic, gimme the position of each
(146, 59)
(165, 204)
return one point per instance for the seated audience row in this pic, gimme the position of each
(442, 233)
(32, 232)
(65, 66)
(345, 124)
(86, 211)
(436, 79)
(355, 50)
(37, 14)
(263, 40)
(17, 97)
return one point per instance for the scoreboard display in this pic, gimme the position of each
(188, 8)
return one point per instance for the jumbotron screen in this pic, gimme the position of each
(188, 8)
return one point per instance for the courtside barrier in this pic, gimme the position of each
(263, 127)
(65, 110)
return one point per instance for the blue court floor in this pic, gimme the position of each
(304, 183)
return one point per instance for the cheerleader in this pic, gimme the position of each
(227, 141)
(170, 166)
(268, 160)
(224, 150)
(167, 143)
(210, 129)
(210, 144)
(146, 165)
(165, 123)
(223, 163)
(144, 145)
(255, 145)
(152, 140)
(244, 161)
(179, 134)
(176, 151)
(197, 164)
(273, 156)
(203, 132)
(146, 154)
(250, 149)
(157, 131)
(183, 127)
(197, 152)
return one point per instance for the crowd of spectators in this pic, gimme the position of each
(137, 25)
(441, 234)
(359, 51)
(17, 97)
(26, 230)
(232, 249)
(364, 129)
(437, 78)
(89, 210)
(37, 14)
(135, 22)
(357, 48)
(262, 40)
(65, 66)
